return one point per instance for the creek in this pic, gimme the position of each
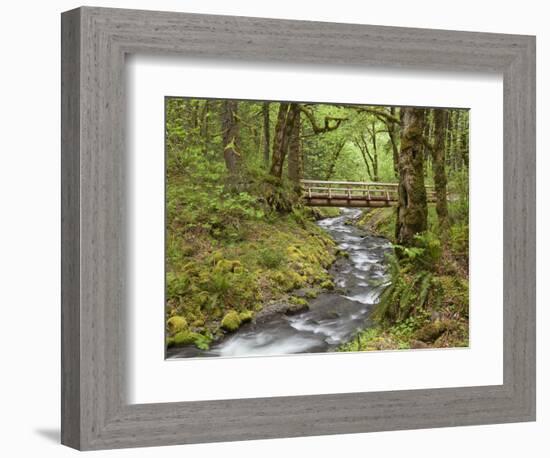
(333, 318)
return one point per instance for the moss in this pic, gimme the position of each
(231, 321)
(297, 300)
(287, 280)
(217, 256)
(275, 257)
(454, 290)
(323, 212)
(311, 293)
(202, 342)
(202, 298)
(189, 338)
(185, 338)
(294, 254)
(270, 258)
(342, 253)
(372, 339)
(327, 284)
(225, 265)
(176, 324)
(378, 221)
(246, 316)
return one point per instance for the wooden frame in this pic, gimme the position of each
(95, 413)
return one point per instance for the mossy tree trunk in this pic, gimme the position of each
(429, 128)
(464, 138)
(204, 134)
(440, 175)
(412, 210)
(393, 133)
(267, 133)
(295, 166)
(231, 138)
(370, 155)
(281, 140)
(374, 152)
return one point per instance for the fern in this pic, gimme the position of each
(405, 292)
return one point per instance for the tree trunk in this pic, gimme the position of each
(231, 140)
(374, 154)
(265, 110)
(412, 210)
(204, 127)
(295, 167)
(392, 128)
(464, 138)
(335, 157)
(440, 175)
(283, 130)
(361, 143)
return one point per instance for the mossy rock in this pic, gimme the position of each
(308, 293)
(231, 321)
(190, 338)
(297, 300)
(185, 338)
(432, 331)
(295, 280)
(342, 253)
(327, 284)
(258, 306)
(246, 316)
(288, 279)
(176, 324)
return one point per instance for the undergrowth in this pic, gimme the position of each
(232, 250)
(424, 302)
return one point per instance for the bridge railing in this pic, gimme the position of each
(353, 190)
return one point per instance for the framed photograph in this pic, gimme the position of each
(278, 228)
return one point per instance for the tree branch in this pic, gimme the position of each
(327, 126)
(380, 114)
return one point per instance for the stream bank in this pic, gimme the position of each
(331, 319)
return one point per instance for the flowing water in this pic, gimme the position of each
(333, 317)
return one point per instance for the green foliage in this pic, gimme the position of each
(323, 212)
(378, 221)
(411, 280)
(459, 240)
(406, 293)
(270, 258)
(425, 254)
(272, 193)
(236, 242)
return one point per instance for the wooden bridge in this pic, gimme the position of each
(353, 194)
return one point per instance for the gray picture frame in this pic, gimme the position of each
(95, 411)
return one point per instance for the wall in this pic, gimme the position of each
(29, 240)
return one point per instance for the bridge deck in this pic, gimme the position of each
(318, 193)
